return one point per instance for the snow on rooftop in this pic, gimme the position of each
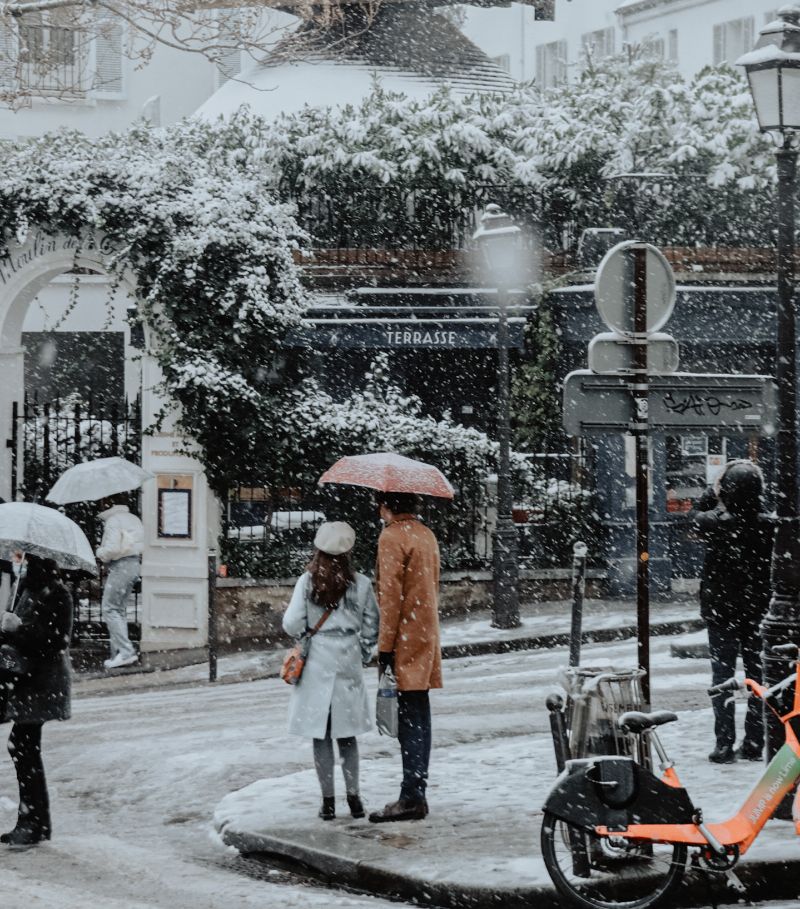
(287, 88)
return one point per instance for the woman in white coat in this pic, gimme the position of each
(330, 700)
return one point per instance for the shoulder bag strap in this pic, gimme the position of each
(323, 619)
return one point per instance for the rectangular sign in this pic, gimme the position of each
(719, 403)
(442, 335)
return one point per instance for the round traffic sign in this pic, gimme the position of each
(614, 287)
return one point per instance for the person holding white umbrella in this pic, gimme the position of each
(121, 548)
(34, 650)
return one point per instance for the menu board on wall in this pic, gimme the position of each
(175, 506)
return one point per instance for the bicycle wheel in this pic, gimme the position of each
(595, 872)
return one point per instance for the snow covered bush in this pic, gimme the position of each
(190, 214)
(394, 171)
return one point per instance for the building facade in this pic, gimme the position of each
(690, 33)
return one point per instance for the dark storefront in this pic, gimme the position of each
(726, 327)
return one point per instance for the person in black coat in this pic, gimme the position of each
(39, 629)
(734, 596)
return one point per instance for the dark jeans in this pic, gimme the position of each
(725, 644)
(414, 733)
(25, 748)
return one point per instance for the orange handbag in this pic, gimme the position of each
(295, 660)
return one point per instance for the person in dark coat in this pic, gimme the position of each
(39, 628)
(734, 596)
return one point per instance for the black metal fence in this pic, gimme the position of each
(268, 533)
(357, 217)
(48, 437)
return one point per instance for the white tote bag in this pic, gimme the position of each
(386, 704)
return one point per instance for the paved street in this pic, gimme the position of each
(136, 777)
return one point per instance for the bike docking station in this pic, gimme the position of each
(616, 834)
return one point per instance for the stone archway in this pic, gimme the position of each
(175, 507)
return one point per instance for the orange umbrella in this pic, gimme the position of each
(389, 472)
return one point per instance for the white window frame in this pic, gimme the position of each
(21, 82)
(600, 43)
(654, 46)
(729, 46)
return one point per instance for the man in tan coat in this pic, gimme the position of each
(408, 641)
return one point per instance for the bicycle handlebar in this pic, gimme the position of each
(786, 650)
(729, 685)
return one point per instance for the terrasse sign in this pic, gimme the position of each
(452, 334)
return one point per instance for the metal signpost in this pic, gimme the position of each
(632, 386)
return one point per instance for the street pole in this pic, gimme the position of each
(212, 617)
(505, 611)
(782, 622)
(579, 551)
(640, 433)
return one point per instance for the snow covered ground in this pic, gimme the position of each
(135, 778)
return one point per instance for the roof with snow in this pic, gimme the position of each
(406, 50)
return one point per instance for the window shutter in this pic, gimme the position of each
(540, 66)
(609, 41)
(719, 43)
(749, 31)
(229, 65)
(673, 45)
(8, 56)
(108, 79)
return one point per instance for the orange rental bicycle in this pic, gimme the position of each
(616, 835)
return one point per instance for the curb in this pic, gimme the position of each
(764, 880)
(561, 639)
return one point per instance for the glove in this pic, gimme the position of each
(385, 661)
(10, 622)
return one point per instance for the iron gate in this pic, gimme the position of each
(47, 438)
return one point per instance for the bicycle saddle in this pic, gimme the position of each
(634, 721)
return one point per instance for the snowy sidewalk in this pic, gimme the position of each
(480, 845)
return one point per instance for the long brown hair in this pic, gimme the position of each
(331, 575)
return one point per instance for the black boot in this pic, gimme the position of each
(356, 805)
(723, 754)
(328, 810)
(23, 835)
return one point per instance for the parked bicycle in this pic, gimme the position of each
(616, 836)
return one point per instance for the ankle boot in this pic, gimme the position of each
(355, 804)
(328, 810)
(24, 836)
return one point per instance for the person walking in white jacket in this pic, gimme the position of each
(330, 700)
(121, 548)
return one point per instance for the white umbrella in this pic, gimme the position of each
(97, 479)
(44, 532)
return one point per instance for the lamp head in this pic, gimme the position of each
(773, 71)
(500, 243)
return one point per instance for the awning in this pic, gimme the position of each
(458, 319)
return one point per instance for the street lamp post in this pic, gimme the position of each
(499, 240)
(773, 71)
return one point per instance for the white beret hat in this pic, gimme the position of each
(335, 537)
